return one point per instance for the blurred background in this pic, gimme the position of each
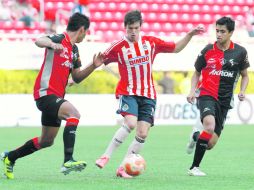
(22, 21)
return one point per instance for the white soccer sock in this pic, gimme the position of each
(118, 139)
(135, 147)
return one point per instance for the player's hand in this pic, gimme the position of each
(241, 96)
(197, 30)
(191, 98)
(57, 47)
(70, 82)
(98, 59)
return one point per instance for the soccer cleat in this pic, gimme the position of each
(120, 172)
(196, 172)
(8, 166)
(192, 143)
(102, 161)
(73, 165)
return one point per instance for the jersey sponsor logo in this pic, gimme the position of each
(222, 73)
(140, 60)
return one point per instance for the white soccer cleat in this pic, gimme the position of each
(196, 172)
(192, 143)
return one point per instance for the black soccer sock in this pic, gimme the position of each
(201, 147)
(69, 136)
(29, 147)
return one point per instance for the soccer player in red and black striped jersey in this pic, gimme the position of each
(61, 59)
(220, 65)
(135, 54)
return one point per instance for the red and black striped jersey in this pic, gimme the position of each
(220, 71)
(56, 68)
(135, 61)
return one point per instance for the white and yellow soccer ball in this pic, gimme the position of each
(134, 164)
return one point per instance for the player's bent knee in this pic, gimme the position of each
(131, 125)
(141, 134)
(45, 144)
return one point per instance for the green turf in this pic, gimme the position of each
(230, 166)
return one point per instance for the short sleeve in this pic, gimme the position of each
(76, 58)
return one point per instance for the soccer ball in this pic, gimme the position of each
(134, 164)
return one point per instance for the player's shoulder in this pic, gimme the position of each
(57, 37)
(239, 47)
(117, 44)
(208, 47)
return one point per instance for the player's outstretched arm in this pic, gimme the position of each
(244, 84)
(78, 75)
(181, 44)
(45, 42)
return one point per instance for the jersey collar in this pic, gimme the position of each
(231, 46)
(67, 37)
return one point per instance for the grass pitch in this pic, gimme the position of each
(229, 166)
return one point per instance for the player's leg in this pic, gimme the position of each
(135, 147)
(128, 109)
(220, 115)
(207, 111)
(145, 121)
(69, 113)
(50, 124)
(196, 129)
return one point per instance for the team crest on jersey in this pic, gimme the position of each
(125, 107)
(232, 62)
(145, 46)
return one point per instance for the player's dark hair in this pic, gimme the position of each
(76, 21)
(228, 22)
(132, 17)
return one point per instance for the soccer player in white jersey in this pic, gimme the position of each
(135, 54)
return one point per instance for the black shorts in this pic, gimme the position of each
(49, 106)
(209, 106)
(140, 106)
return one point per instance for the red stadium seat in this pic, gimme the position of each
(185, 8)
(156, 26)
(165, 8)
(123, 7)
(154, 7)
(144, 7)
(167, 27)
(133, 6)
(174, 17)
(175, 8)
(185, 17)
(102, 6)
(163, 17)
(112, 6)
(195, 8)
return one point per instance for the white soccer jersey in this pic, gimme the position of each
(135, 61)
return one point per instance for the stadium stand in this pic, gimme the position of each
(173, 17)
